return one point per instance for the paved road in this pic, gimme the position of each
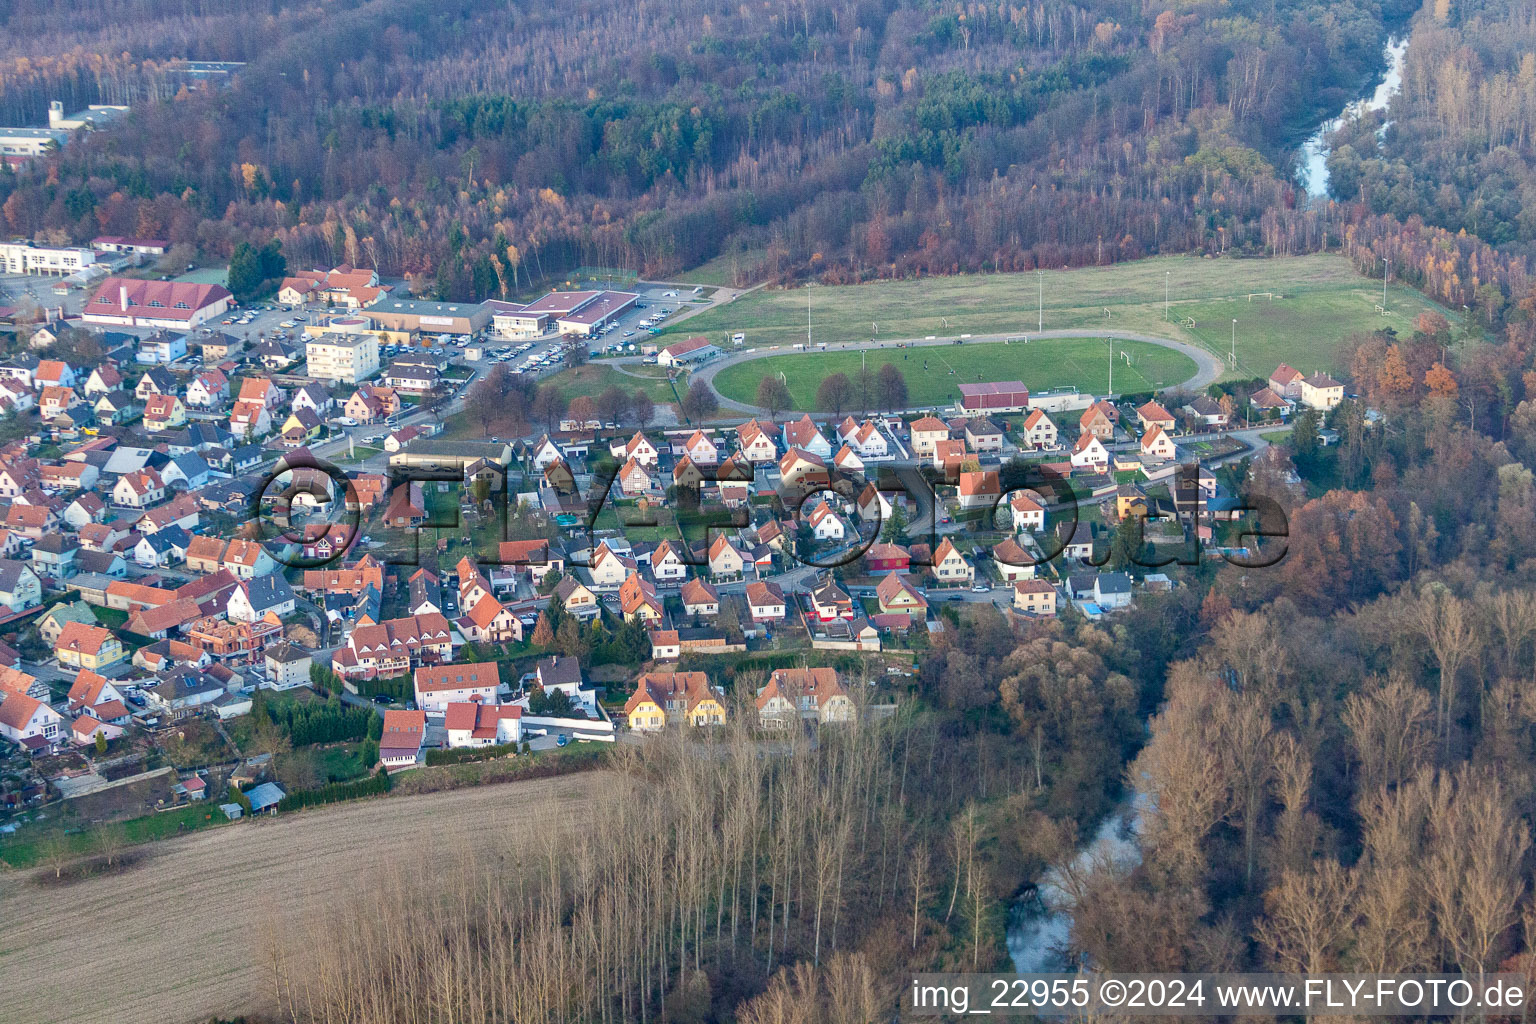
(1208, 367)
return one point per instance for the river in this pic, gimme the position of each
(1040, 922)
(1314, 152)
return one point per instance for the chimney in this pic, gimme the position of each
(122, 297)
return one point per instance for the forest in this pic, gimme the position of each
(483, 149)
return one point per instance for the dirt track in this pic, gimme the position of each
(174, 938)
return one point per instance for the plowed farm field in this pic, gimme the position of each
(178, 936)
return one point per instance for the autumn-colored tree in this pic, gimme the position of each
(1441, 381)
(543, 633)
(1393, 380)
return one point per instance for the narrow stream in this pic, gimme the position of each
(1040, 922)
(1314, 152)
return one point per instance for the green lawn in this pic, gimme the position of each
(595, 378)
(934, 373)
(31, 848)
(1318, 300)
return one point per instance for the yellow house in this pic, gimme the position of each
(662, 697)
(83, 646)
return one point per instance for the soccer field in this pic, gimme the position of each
(934, 373)
(1294, 309)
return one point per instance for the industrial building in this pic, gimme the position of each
(18, 145)
(450, 456)
(30, 258)
(177, 304)
(694, 350)
(999, 396)
(580, 313)
(415, 315)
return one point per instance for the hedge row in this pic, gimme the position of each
(462, 755)
(334, 792)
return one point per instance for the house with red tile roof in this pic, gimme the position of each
(400, 743)
(477, 724)
(437, 686)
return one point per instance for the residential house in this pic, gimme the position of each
(982, 435)
(949, 566)
(635, 481)
(1089, 453)
(883, 558)
(725, 561)
(1286, 382)
(701, 449)
(53, 373)
(979, 490)
(256, 598)
(164, 412)
(1321, 392)
(667, 565)
(1156, 443)
(437, 686)
(927, 432)
(578, 599)
(639, 449)
(1076, 540)
(1099, 420)
(848, 461)
(208, 390)
(401, 740)
(20, 587)
(1265, 400)
(535, 554)
(407, 506)
(700, 598)
(662, 697)
(54, 556)
(1152, 414)
(489, 621)
(765, 601)
(754, 442)
(103, 379)
(30, 723)
(51, 623)
(1012, 562)
(314, 398)
(83, 646)
(829, 602)
(1206, 412)
(803, 434)
(826, 524)
(287, 666)
(476, 724)
(391, 647)
(156, 381)
(54, 402)
(897, 595)
(1028, 514)
(804, 470)
(638, 601)
(1034, 597)
(1112, 590)
(247, 559)
(813, 694)
(869, 442)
